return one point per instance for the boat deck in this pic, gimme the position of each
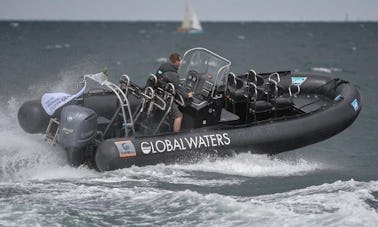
(311, 102)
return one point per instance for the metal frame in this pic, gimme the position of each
(122, 98)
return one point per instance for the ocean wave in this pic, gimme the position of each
(223, 171)
(341, 203)
(254, 165)
(57, 46)
(241, 37)
(326, 70)
(24, 156)
(161, 60)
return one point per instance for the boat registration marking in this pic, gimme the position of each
(125, 149)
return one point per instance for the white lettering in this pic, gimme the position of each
(152, 148)
(219, 139)
(213, 140)
(195, 142)
(228, 140)
(191, 142)
(161, 148)
(146, 148)
(207, 140)
(201, 141)
(182, 144)
(177, 145)
(169, 145)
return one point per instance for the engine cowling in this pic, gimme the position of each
(78, 127)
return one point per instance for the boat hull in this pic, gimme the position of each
(317, 120)
(267, 137)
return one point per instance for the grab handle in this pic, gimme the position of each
(271, 77)
(297, 92)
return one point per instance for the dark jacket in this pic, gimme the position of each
(168, 71)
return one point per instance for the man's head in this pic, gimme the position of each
(175, 59)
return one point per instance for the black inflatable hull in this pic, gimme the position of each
(270, 137)
(32, 118)
(317, 120)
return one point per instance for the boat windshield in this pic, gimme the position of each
(208, 65)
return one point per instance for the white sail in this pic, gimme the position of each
(190, 22)
(186, 20)
(196, 25)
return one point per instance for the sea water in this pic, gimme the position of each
(331, 183)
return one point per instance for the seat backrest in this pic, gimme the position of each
(255, 78)
(152, 80)
(294, 89)
(235, 85)
(259, 80)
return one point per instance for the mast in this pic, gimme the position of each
(186, 20)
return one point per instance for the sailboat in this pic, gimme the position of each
(190, 23)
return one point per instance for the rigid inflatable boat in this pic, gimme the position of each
(112, 126)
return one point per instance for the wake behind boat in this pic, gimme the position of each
(119, 125)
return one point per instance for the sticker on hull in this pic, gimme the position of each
(125, 148)
(355, 104)
(298, 80)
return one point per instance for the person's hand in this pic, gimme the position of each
(190, 94)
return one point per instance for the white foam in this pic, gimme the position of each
(142, 31)
(57, 46)
(342, 203)
(53, 172)
(326, 70)
(253, 165)
(241, 37)
(174, 174)
(27, 156)
(337, 204)
(14, 24)
(161, 60)
(248, 165)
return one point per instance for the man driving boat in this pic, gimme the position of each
(169, 72)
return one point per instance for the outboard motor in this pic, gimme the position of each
(78, 128)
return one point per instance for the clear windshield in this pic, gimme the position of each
(209, 65)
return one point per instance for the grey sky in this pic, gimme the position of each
(207, 10)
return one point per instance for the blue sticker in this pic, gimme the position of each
(125, 148)
(338, 98)
(355, 104)
(298, 80)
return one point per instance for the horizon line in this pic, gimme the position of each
(179, 21)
